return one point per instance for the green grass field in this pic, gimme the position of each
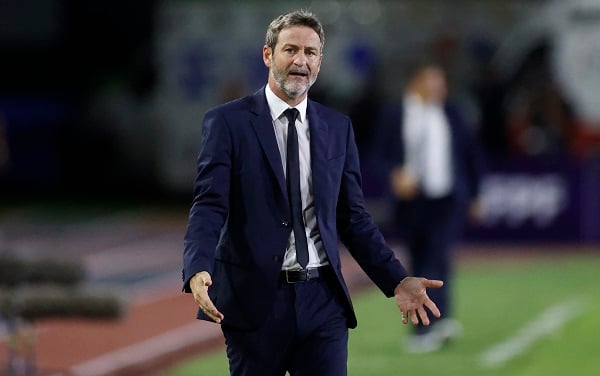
(494, 301)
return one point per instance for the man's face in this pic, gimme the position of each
(434, 85)
(293, 63)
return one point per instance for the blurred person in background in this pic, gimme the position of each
(278, 182)
(433, 165)
(539, 118)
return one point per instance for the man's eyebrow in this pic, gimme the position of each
(296, 46)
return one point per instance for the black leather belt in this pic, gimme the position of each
(301, 275)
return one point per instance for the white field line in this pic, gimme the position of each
(171, 341)
(544, 325)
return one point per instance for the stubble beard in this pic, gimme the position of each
(291, 89)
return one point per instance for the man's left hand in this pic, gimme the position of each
(411, 299)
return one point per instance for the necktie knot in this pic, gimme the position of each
(291, 114)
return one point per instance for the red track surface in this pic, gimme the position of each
(159, 327)
(152, 335)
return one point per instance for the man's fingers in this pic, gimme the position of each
(405, 317)
(433, 308)
(414, 318)
(213, 313)
(423, 315)
(199, 285)
(202, 278)
(204, 302)
(408, 316)
(209, 309)
(214, 316)
(412, 299)
(433, 283)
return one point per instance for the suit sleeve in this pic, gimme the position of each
(358, 231)
(211, 198)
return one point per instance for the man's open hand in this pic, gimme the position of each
(411, 299)
(199, 285)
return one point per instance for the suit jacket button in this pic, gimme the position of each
(285, 224)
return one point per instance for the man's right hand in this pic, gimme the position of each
(199, 285)
(404, 183)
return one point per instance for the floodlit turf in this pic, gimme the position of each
(493, 301)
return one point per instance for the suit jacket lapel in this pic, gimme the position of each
(263, 126)
(319, 141)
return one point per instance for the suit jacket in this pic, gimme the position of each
(467, 159)
(239, 223)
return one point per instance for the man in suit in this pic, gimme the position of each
(433, 165)
(278, 182)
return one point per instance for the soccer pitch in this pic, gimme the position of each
(527, 316)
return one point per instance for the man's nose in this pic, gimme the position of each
(300, 59)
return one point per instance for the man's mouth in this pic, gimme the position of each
(298, 74)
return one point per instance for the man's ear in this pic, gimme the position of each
(267, 55)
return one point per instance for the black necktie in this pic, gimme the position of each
(293, 187)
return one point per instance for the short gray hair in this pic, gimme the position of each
(294, 18)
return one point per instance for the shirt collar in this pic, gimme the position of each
(278, 106)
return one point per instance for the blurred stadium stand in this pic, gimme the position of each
(106, 98)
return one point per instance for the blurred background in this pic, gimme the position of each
(106, 98)
(101, 104)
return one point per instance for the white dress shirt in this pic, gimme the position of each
(316, 253)
(427, 146)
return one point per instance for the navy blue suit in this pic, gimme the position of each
(430, 226)
(239, 223)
